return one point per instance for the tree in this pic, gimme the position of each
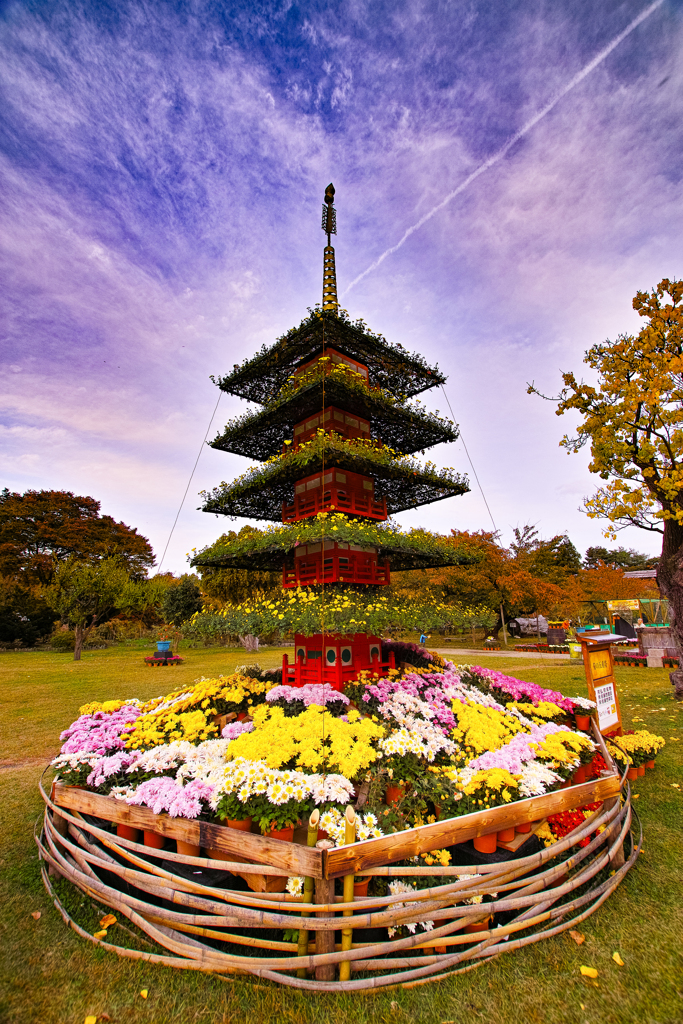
(182, 600)
(24, 614)
(88, 593)
(39, 529)
(633, 422)
(497, 578)
(622, 558)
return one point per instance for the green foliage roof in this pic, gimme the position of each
(260, 378)
(261, 491)
(266, 550)
(259, 435)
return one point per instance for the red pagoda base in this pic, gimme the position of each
(336, 661)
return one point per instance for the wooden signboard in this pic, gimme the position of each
(598, 662)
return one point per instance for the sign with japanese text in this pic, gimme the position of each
(602, 688)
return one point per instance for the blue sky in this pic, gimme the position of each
(163, 166)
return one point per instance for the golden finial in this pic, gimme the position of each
(329, 226)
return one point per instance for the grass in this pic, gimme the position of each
(48, 975)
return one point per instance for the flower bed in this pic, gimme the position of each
(431, 756)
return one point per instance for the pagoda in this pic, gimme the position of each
(335, 434)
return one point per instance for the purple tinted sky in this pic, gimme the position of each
(163, 168)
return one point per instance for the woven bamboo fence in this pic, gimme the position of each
(210, 927)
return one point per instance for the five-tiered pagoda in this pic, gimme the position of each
(334, 433)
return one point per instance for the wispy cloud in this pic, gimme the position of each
(162, 171)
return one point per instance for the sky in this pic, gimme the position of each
(162, 169)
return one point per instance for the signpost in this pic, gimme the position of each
(602, 688)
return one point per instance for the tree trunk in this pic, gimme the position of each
(78, 646)
(670, 582)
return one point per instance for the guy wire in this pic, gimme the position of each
(196, 461)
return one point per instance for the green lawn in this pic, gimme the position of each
(50, 976)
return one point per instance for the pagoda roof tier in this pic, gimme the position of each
(259, 435)
(260, 378)
(267, 550)
(261, 492)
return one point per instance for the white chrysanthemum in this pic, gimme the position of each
(295, 886)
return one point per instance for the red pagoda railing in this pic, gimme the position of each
(333, 499)
(351, 567)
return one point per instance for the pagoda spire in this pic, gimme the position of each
(329, 226)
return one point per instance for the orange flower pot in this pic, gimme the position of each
(285, 835)
(394, 794)
(428, 950)
(154, 840)
(650, 764)
(187, 849)
(632, 774)
(360, 888)
(486, 844)
(480, 926)
(506, 835)
(440, 949)
(241, 824)
(641, 770)
(524, 827)
(579, 775)
(127, 832)
(583, 722)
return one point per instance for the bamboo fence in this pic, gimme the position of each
(210, 927)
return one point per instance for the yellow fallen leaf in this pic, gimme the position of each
(589, 972)
(143, 993)
(617, 959)
(578, 938)
(635, 796)
(35, 915)
(91, 1020)
(102, 934)
(107, 921)
(675, 785)
(582, 1005)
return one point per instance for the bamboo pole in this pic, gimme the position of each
(347, 933)
(309, 889)
(177, 913)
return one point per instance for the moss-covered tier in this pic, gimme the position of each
(266, 550)
(260, 378)
(408, 428)
(402, 481)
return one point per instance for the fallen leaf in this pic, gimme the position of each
(578, 938)
(105, 1016)
(617, 959)
(102, 934)
(107, 921)
(143, 993)
(582, 1005)
(35, 914)
(91, 1020)
(589, 972)
(635, 796)
(675, 785)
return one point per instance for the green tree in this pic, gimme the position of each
(621, 558)
(88, 593)
(39, 529)
(181, 601)
(25, 616)
(633, 422)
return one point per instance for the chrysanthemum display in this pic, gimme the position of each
(442, 737)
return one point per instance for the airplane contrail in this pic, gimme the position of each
(578, 77)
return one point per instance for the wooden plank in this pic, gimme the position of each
(298, 860)
(376, 852)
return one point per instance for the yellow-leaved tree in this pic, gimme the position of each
(633, 422)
